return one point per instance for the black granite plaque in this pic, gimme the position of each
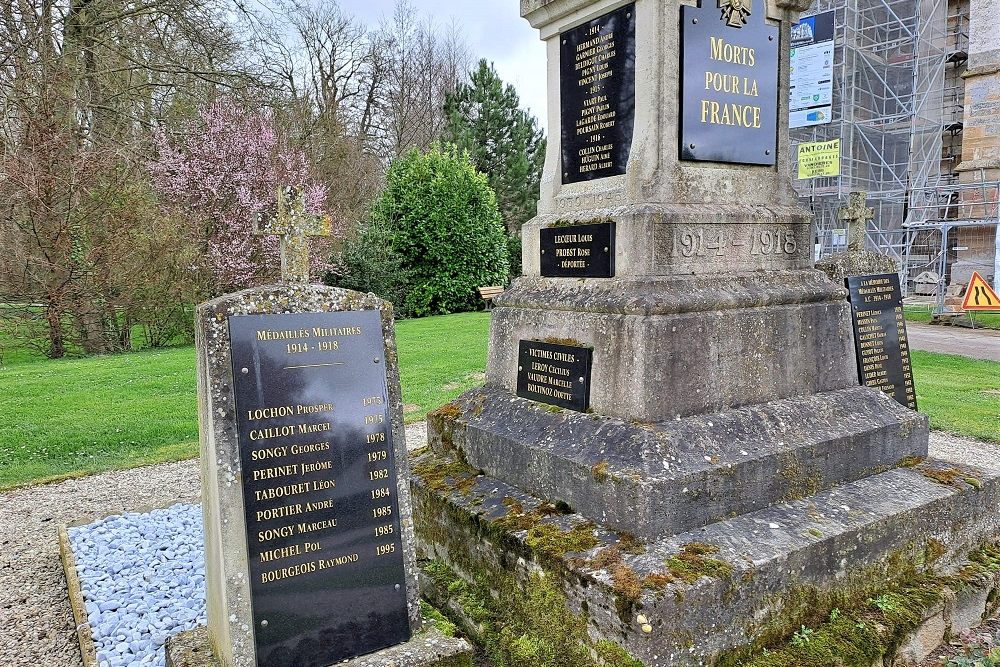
(880, 336)
(554, 373)
(729, 84)
(597, 96)
(326, 571)
(578, 251)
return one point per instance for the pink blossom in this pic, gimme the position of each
(222, 172)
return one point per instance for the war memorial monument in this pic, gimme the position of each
(672, 461)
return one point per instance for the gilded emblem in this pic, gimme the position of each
(735, 12)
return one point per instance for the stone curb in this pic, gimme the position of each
(88, 649)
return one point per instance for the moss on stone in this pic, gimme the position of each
(951, 477)
(446, 477)
(862, 620)
(600, 472)
(695, 561)
(443, 421)
(571, 342)
(631, 544)
(554, 541)
(526, 625)
(911, 461)
(438, 620)
(518, 519)
(613, 655)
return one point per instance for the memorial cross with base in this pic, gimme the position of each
(856, 214)
(294, 226)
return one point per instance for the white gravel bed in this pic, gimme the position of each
(35, 613)
(142, 576)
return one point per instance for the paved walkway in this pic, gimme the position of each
(977, 344)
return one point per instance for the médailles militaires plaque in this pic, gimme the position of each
(554, 373)
(880, 336)
(597, 96)
(729, 83)
(578, 251)
(327, 579)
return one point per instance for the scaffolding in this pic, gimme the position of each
(898, 111)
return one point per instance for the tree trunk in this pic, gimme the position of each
(57, 340)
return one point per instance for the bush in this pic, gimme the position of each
(514, 252)
(435, 236)
(371, 265)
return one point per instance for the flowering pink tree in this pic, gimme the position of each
(221, 173)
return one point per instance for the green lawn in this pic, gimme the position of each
(73, 416)
(924, 313)
(76, 416)
(960, 395)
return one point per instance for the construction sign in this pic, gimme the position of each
(819, 158)
(980, 296)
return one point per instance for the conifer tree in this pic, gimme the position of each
(484, 117)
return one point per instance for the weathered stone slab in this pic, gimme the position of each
(670, 477)
(759, 573)
(428, 648)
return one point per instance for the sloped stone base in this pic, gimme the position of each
(715, 595)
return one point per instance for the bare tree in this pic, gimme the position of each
(80, 82)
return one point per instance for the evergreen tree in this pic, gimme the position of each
(504, 141)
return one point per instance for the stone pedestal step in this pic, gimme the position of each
(669, 477)
(690, 598)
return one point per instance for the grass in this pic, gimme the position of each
(924, 314)
(960, 395)
(79, 416)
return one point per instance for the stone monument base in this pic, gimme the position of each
(529, 578)
(664, 478)
(428, 648)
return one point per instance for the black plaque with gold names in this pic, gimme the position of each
(729, 83)
(578, 251)
(327, 578)
(555, 373)
(597, 96)
(882, 347)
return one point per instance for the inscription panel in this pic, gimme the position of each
(554, 373)
(326, 570)
(882, 347)
(597, 96)
(729, 84)
(578, 251)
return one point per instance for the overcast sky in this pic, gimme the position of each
(493, 30)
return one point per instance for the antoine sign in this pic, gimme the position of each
(729, 83)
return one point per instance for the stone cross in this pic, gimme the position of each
(856, 214)
(294, 226)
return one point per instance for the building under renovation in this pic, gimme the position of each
(911, 88)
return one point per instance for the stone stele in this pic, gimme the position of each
(729, 456)
(230, 640)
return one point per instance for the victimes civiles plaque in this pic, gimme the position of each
(597, 96)
(326, 569)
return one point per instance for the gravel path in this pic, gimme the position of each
(977, 344)
(35, 615)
